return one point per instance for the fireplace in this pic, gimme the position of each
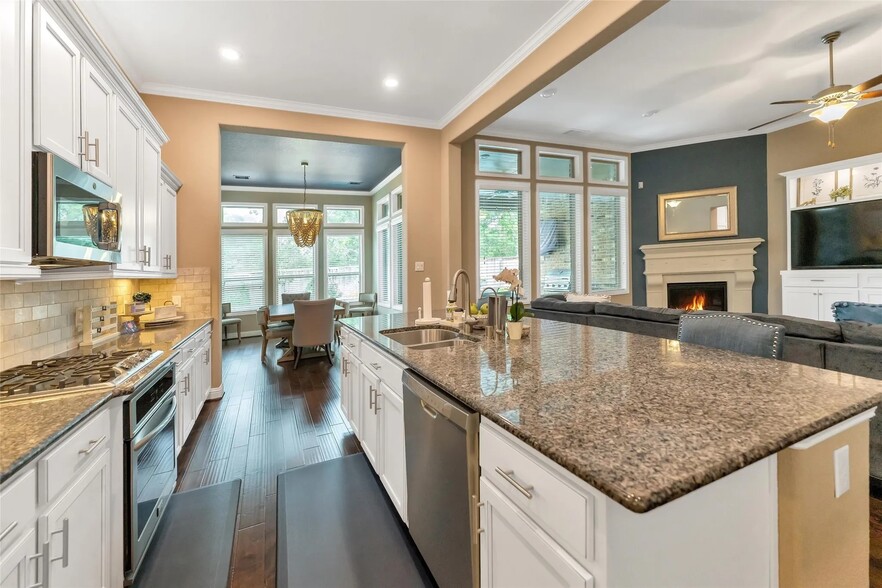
(697, 295)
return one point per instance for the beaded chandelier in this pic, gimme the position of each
(304, 223)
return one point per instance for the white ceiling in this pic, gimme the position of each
(328, 57)
(709, 68)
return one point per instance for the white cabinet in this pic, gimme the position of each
(76, 530)
(126, 153)
(150, 213)
(811, 293)
(515, 552)
(184, 413)
(18, 565)
(871, 296)
(351, 391)
(168, 229)
(370, 421)
(97, 122)
(393, 473)
(15, 140)
(192, 382)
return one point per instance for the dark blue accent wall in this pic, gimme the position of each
(737, 162)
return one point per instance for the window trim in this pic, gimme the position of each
(246, 231)
(274, 269)
(327, 275)
(622, 160)
(526, 231)
(289, 206)
(328, 207)
(379, 207)
(578, 166)
(261, 205)
(525, 159)
(392, 200)
(625, 194)
(581, 229)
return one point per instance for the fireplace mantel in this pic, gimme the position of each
(720, 260)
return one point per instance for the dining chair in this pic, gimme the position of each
(226, 321)
(289, 297)
(366, 305)
(269, 330)
(732, 332)
(314, 327)
(345, 314)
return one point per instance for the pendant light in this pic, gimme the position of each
(304, 223)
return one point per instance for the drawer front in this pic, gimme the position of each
(871, 280)
(554, 505)
(351, 341)
(382, 366)
(18, 507)
(69, 457)
(846, 280)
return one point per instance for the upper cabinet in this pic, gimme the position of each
(97, 115)
(168, 221)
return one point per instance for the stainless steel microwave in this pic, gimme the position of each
(76, 221)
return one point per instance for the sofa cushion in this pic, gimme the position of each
(643, 313)
(554, 303)
(802, 327)
(804, 351)
(862, 333)
(858, 311)
(860, 360)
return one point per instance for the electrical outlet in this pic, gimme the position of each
(840, 471)
(640, 185)
(419, 266)
(176, 300)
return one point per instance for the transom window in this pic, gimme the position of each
(346, 216)
(608, 169)
(236, 214)
(503, 159)
(558, 164)
(280, 212)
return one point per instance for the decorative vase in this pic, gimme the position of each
(515, 331)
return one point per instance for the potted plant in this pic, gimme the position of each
(140, 301)
(517, 311)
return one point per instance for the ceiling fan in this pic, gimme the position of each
(831, 104)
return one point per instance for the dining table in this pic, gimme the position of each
(285, 313)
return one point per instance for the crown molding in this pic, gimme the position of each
(169, 177)
(286, 105)
(395, 173)
(309, 191)
(551, 26)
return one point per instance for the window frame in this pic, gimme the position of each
(261, 205)
(393, 201)
(526, 231)
(327, 275)
(524, 151)
(576, 156)
(289, 206)
(625, 245)
(386, 225)
(276, 295)
(379, 207)
(266, 293)
(581, 233)
(622, 160)
(398, 219)
(358, 225)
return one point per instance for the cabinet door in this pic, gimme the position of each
(355, 405)
(77, 529)
(183, 411)
(394, 475)
(206, 371)
(801, 302)
(827, 296)
(96, 106)
(127, 176)
(150, 231)
(56, 89)
(871, 296)
(370, 422)
(168, 225)
(345, 380)
(515, 553)
(18, 567)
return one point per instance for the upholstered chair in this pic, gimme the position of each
(269, 330)
(314, 326)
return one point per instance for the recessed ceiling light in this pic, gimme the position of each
(229, 54)
(390, 82)
(649, 113)
(548, 92)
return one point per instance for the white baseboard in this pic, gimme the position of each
(216, 393)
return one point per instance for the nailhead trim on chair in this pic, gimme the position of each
(776, 328)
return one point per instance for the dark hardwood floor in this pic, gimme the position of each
(271, 419)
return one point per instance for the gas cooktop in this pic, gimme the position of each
(73, 374)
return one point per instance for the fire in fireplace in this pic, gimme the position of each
(697, 296)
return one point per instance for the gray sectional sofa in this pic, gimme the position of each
(852, 348)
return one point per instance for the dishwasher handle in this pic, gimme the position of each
(433, 400)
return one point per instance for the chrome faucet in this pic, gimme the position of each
(468, 292)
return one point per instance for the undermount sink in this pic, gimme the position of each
(420, 336)
(450, 343)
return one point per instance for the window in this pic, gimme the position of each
(397, 200)
(294, 266)
(280, 212)
(384, 259)
(560, 242)
(503, 232)
(608, 242)
(608, 169)
(389, 252)
(344, 254)
(383, 208)
(559, 164)
(344, 216)
(237, 214)
(398, 263)
(503, 159)
(243, 269)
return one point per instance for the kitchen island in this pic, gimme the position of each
(682, 451)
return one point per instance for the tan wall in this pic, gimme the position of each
(822, 540)
(805, 145)
(193, 285)
(193, 153)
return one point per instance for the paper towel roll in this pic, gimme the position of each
(427, 298)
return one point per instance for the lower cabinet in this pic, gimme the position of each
(370, 421)
(18, 565)
(184, 414)
(393, 473)
(192, 383)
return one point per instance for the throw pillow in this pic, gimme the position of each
(574, 297)
(857, 311)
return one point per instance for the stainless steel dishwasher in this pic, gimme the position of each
(441, 448)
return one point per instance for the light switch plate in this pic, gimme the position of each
(840, 471)
(419, 266)
(640, 185)
(176, 300)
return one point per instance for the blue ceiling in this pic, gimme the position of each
(273, 161)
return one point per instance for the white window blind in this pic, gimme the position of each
(560, 242)
(294, 267)
(503, 220)
(608, 226)
(243, 270)
(344, 253)
(398, 264)
(383, 266)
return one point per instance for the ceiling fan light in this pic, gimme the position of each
(833, 112)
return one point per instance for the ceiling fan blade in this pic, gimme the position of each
(872, 82)
(873, 94)
(792, 102)
(781, 118)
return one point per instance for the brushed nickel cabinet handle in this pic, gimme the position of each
(371, 400)
(508, 476)
(65, 539)
(376, 366)
(477, 507)
(84, 145)
(377, 395)
(93, 445)
(44, 568)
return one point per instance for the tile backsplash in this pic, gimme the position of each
(38, 319)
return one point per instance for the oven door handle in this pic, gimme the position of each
(137, 445)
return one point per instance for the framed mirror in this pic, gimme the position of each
(698, 214)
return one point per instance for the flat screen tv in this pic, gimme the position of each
(843, 235)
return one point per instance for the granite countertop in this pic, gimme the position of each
(29, 426)
(643, 420)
